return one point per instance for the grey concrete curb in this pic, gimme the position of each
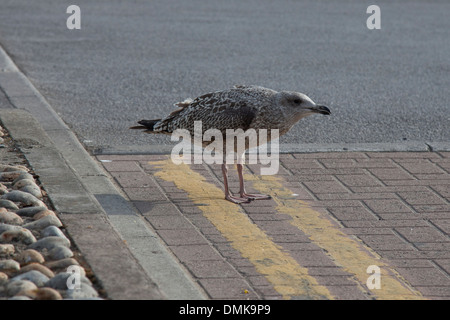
(407, 146)
(124, 252)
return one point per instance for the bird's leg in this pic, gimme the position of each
(242, 191)
(228, 195)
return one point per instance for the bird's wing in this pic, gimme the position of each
(217, 110)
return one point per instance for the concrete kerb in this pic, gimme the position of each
(101, 222)
(284, 148)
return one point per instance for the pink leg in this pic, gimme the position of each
(228, 195)
(242, 191)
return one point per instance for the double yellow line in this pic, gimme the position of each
(286, 275)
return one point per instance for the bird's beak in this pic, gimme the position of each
(321, 109)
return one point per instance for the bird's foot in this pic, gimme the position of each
(237, 200)
(255, 196)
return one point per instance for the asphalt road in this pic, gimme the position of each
(135, 59)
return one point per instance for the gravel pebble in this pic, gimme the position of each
(37, 277)
(84, 292)
(8, 204)
(3, 278)
(6, 249)
(23, 175)
(20, 298)
(32, 189)
(22, 183)
(62, 264)
(30, 211)
(43, 223)
(14, 287)
(59, 252)
(7, 227)
(26, 198)
(49, 243)
(9, 265)
(52, 231)
(38, 267)
(59, 281)
(42, 294)
(30, 256)
(10, 175)
(44, 213)
(3, 189)
(10, 218)
(7, 168)
(19, 235)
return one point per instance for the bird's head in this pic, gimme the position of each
(295, 105)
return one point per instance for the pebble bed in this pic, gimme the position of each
(37, 259)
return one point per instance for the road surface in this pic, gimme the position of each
(134, 60)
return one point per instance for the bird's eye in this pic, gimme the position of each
(297, 101)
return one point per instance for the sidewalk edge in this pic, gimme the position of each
(75, 183)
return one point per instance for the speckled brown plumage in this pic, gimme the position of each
(241, 107)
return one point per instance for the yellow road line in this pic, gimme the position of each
(352, 255)
(269, 259)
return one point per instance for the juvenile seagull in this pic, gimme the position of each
(241, 107)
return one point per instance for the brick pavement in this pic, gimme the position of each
(397, 205)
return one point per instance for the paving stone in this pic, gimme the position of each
(389, 189)
(385, 242)
(276, 227)
(195, 252)
(396, 203)
(326, 187)
(422, 234)
(331, 155)
(387, 206)
(356, 180)
(211, 269)
(435, 292)
(433, 246)
(312, 259)
(181, 237)
(269, 217)
(404, 155)
(144, 194)
(348, 293)
(290, 238)
(133, 179)
(338, 163)
(391, 174)
(355, 196)
(353, 213)
(444, 264)
(432, 208)
(444, 177)
(420, 166)
(153, 208)
(228, 289)
(421, 197)
(169, 222)
(424, 277)
(442, 224)
(296, 164)
(126, 166)
(411, 263)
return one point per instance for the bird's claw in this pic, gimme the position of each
(256, 196)
(247, 198)
(238, 200)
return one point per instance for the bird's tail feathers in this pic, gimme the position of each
(146, 125)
